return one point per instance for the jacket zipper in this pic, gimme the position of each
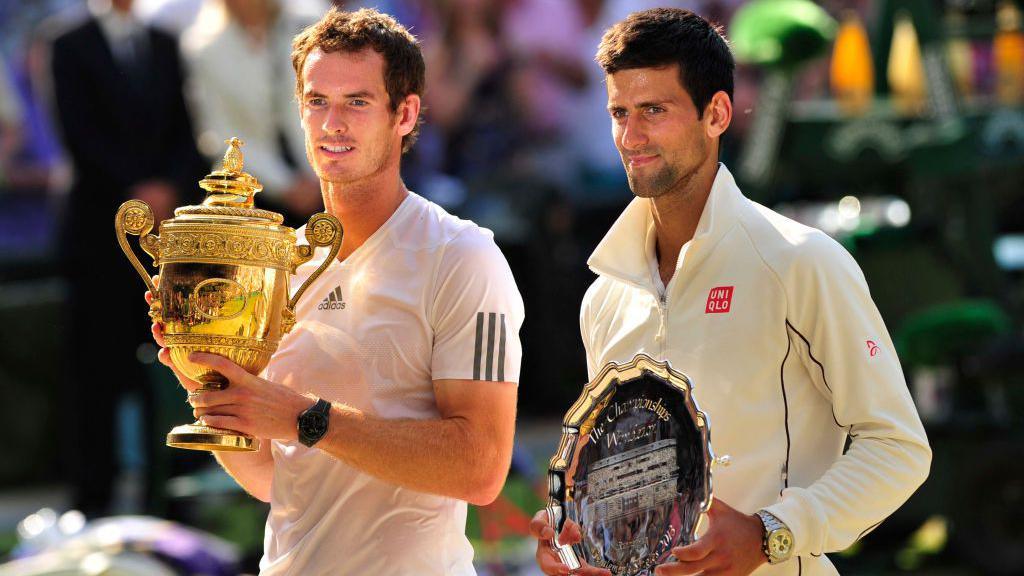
(662, 336)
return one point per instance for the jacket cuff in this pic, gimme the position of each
(804, 518)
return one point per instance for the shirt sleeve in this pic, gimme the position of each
(853, 363)
(477, 312)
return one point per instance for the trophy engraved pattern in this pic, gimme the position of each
(224, 271)
(219, 299)
(273, 217)
(323, 231)
(633, 468)
(137, 219)
(207, 340)
(204, 243)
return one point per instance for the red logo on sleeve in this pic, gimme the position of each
(719, 300)
(872, 348)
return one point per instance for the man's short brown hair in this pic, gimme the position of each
(404, 70)
(665, 36)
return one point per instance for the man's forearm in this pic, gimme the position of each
(443, 456)
(253, 471)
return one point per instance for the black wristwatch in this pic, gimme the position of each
(313, 422)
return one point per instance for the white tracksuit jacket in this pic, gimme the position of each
(774, 323)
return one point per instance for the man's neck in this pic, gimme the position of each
(362, 208)
(676, 216)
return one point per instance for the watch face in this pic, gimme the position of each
(780, 543)
(314, 424)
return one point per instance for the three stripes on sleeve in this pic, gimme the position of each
(489, 351)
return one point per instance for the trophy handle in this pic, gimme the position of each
(135, 217)
(322, 230)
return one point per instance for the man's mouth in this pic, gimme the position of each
(641, 159)
(335, 149)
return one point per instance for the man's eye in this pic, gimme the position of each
(655, 109)
(618, 113)
(316, 101)
(360, 103)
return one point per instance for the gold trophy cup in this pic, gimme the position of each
(224, 268)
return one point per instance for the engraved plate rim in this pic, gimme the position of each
(579, 418)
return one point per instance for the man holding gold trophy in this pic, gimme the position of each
(389, 391)
(772, 320)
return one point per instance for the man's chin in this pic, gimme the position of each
(644, 190)
(334, 176)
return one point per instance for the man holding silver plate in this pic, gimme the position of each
(771, 322)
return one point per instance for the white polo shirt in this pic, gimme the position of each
(788, 355)
(427, 297)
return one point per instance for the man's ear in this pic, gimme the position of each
(408, 114)
(718, 115)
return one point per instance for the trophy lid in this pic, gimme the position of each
(230, 191)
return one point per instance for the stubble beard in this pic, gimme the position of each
(658, 184)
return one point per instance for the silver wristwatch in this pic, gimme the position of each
(777, 543)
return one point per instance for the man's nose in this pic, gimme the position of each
(334, 121)
(633, 136)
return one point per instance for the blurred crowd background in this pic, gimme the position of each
(895, 126)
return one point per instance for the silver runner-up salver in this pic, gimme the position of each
(633, 469)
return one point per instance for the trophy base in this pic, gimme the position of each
(199, 437)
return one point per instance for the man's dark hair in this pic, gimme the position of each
(665, 36)
(404, 70)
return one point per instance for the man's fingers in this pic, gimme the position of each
(228, 422)
(696, 551)
(676, 569)
(570, 533)
(213, 398)
(164, 356)
(701, 567)
(158, 334)
(539, 526)
(149, 295)
(548, 560)
(217, 410)
(717, 507)
(233, 372)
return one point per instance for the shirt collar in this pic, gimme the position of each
(116, 26)
(624, 251)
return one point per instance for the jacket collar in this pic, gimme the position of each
(622, 254)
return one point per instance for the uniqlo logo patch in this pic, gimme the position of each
(719, 300)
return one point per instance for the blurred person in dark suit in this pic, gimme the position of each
(118, 92)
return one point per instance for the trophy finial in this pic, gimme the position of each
(230, 186)
(233, 158)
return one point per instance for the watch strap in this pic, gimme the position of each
(771, 525)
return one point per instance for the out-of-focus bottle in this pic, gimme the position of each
(1008, 55)
(905, 72)
(959, 55)
(852, 75)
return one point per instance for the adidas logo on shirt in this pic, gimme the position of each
(333, 301)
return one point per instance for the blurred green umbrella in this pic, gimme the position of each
(780, 33)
